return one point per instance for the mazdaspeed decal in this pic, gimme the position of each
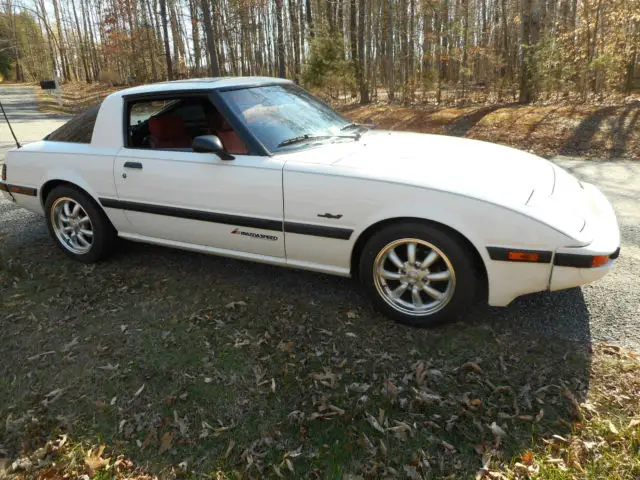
(261, 236)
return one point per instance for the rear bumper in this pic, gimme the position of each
(4, 192)
(572, 266)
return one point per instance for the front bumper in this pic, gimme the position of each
(573, 265)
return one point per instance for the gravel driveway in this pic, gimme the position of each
(608, 310)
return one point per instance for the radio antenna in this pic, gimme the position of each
(9, 123)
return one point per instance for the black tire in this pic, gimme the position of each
(455, 255)
(104, 235)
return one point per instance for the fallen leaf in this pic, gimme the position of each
(68, 346)
(165, 442)
(527, 457)
(233, 305)
(634, 423)
(285, 347)
(448, 446)
(35, 357)
(374, 423)
(289, 464)
(612, 428)
(147, 440)
(139, 391)
(497, 431)
(471, 366)
(229, 448)
(273, 386)
(94, 461)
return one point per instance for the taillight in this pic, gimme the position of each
(4, 172)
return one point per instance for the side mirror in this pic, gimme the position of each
(210, 144)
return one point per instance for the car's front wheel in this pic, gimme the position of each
(418, 274)
(78, 225)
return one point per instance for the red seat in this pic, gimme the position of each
(231, 141)
(167, 131)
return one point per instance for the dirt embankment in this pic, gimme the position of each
(592, 131)
(76, 97)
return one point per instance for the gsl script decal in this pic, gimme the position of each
(260, 236)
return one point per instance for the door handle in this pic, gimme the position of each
(137, 165)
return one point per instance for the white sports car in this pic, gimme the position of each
(259, 169)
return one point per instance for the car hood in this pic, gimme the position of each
(482, 170)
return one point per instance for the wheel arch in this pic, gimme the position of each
(49, 185)
(366, 234)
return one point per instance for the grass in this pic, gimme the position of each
(177, 365)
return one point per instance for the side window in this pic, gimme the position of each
(79, 129)
(172, 124)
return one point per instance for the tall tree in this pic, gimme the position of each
(212, 51)
(389, 50)
(364, 88)
(165, 32)
(282, 71)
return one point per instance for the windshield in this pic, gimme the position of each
(278, 114)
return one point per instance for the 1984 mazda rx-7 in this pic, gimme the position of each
(258, 169)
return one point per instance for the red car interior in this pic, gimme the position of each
(231, 141)
(167, 131)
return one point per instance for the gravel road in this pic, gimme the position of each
(607, 310)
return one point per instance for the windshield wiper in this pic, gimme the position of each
(306, 137)
(350, 125)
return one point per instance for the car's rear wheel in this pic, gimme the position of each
(77, 225)
(418, 274)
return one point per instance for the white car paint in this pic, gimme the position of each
(493, 196)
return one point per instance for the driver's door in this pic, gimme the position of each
(173, 194)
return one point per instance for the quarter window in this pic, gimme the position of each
(79, 129)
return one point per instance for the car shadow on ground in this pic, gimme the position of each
(159, 314)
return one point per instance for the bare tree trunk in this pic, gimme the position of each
(390, 75)
(61, 43)
(465, 40)
(438, 28)
(195, 33)
(309, 19)
(282, 72)
(364, 89)
(409, 61)
(165, 31)
(507, 71)
(526, 91)
(214, 67)
(295, 40)
(151, 40)
(83, 56)
(427, 34)
(353, 42)
(49, 35)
